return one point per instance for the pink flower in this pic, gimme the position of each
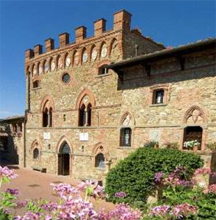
(202, 171)
(6, 172)
(212, 188)
(161, 211)
(184, 210)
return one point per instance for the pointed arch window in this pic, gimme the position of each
(100, 161)
(36, 154)
(47, 114)
(85, 112)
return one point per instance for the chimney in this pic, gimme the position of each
(49, 44)
(122, 20)
(99, 26)
(38, 49)
(29, 54)
(80, 34)
(63, 39)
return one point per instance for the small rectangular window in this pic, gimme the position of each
(125, 137)
(158, 97)
(103, 70)
(36, 84)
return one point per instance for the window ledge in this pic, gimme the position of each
(102, 75)
(100, 168)
(158, 105)
(36, 88)
(124, 147)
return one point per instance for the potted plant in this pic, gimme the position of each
(192, 145)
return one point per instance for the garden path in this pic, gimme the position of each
(35, 185)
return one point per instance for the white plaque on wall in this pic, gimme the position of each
(46, 135)
(83, 136)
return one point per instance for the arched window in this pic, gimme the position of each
(82, 115)
(47, 108)
(45, 118)
(85, 112)
(89, 109)
(100, 161)
(50, 117)
(125, 137)
(36, 153)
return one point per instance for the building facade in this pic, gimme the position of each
(12, 140)
(92, 102)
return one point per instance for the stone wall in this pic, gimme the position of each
(115, 103)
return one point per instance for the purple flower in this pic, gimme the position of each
(6, 172)
(14, 192)
(161, 211)
(120, 194)
(21, 204)
(158, 177)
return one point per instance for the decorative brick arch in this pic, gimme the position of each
(127, 118)
(85, 92)
(35, 144)
(111, 45)
(61, 141)
(100, 148)
(100, 48)
(91, 50)
(47, 100)
(195, 113)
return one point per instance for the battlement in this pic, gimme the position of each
(122, 21)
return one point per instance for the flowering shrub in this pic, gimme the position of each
(135, 174)
(182, 196)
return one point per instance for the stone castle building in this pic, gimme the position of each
(92, 102)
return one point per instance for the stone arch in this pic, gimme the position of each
(65, 57)
(35, 144)
(61, 141)
(100, 49)
(194, 115)
(46, 65)
(127, 120)
(85, 92)
(75, 55)
(91, 51)
(100, 148)
(84, 49)
(113, 41)
(48, 102)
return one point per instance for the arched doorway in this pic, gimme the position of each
(64, 159)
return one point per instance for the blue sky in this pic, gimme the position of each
(24, 24)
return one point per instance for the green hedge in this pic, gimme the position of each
(135, 174)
